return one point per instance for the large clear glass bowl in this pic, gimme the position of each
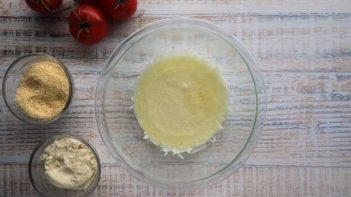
(119, 127)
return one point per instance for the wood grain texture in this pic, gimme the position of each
(211, 7)
(308, 93)
(247, 181)
(304, 52)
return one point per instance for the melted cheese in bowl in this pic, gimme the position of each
(180, 103)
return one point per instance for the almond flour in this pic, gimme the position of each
(69, 164)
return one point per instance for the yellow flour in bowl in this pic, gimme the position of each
(43, 91)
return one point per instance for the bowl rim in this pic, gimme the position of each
(48, 141)
(256, 129)
(70, 95)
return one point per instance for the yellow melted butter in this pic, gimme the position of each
(180, 102)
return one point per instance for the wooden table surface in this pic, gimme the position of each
(303, 49)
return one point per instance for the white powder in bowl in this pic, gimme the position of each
(69, 164)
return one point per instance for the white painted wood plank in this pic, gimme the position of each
(248, 181)
(279, 43)
(210, 7)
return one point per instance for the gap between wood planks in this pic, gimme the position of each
(117, 164)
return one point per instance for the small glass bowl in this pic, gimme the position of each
(39, 179)
(13, 78)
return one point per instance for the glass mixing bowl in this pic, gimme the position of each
(119, 127)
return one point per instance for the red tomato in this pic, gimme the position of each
(44, 6)
(87, 24)
(118, 9)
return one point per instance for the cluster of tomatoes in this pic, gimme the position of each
(88, 19)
